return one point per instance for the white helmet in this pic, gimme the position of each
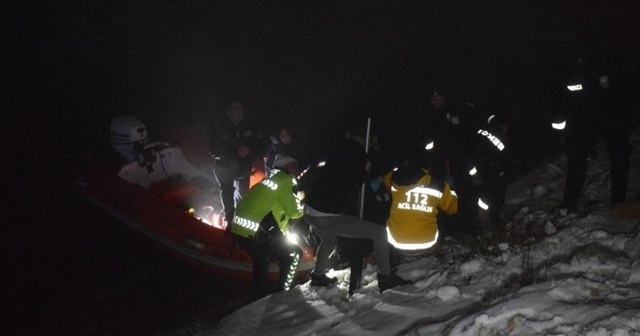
(127, 134)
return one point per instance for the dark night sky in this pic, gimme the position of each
(175, 62)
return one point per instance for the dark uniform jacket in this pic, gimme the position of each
(225, 139)
(599, 95)
(340, 180)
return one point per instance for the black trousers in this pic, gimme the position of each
(494, 190)
(233, 175)
(578, 150)
(263, 250)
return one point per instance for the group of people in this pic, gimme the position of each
(329, 211)
(476, 154)
(261, 214)
(457, 173)
(599, 89)
(461, 153)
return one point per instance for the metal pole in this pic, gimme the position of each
(366, 150)
(355, 277)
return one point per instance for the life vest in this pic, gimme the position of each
(258, 172)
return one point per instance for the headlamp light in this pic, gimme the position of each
(559, 125)
(292, 238)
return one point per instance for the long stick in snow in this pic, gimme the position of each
(366, 150)
(355, 278)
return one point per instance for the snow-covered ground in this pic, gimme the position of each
(553, 275)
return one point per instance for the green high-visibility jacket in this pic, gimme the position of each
(274, 195)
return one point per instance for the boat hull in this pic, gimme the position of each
(161, 214)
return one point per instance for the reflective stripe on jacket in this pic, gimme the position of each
(415, 206)
(273, 195)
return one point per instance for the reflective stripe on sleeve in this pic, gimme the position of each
(246, 223)
(272, 185)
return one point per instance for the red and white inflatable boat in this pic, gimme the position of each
(162, 196)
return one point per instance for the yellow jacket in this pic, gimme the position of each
(416, 198)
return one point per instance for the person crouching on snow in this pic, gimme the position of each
(417, 196)
(261, 225)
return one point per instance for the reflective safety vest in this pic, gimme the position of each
(271, 196)
(412, 223)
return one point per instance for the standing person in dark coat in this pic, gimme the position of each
(237, 142)
(335, 190)
(599, 89)
(491, 169)
(284, 141)
(451, 124)
(452, 129)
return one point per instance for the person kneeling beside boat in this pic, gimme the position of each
(261, 225)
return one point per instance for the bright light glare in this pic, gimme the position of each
(482, 204)
(577, 87)
(559, 126)
(473, 171)
(429, 146)
(211, 218)
(292, 238)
